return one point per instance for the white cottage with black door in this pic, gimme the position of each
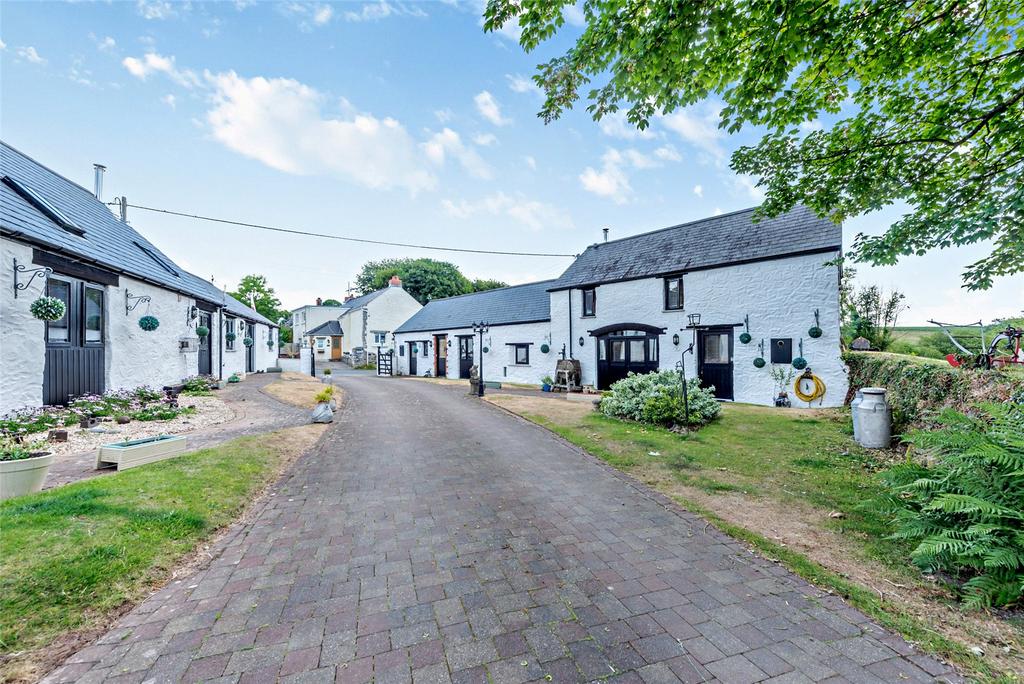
(129, 316)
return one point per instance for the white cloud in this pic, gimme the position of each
(322, 15)
(489, 108)
(448, 143)
(698, 127)
(3, 45)
(522, 84)
(573, 15)
(639, 160)
(485, 139)
(382, 9)
(668, 153)
(616, 125)
(170, 101)
(444, 115)
(698, 190)
(611, 181)
(152, 63)
(531, 162)
(811, 126)
(310, 15)
(160, 9)
(747, 184)
(280, 122)
(29, 54)
(105, 44)
(531, 213)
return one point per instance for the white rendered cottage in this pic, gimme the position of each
(638, 303)
(57, 238)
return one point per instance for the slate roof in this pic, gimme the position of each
(328, 328)
(106, 242)
(362, 300)
(504, 306)
(716, 241)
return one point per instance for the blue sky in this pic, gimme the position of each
(387, 120)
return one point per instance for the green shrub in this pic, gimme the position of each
(915, 389)
(655, 398)
(161, 412)
(197, 385)
(965, 506)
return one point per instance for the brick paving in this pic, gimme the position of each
(436, 539)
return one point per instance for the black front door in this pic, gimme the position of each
(441, 355)
(250, 351)
(413, 350)
(74, 344)
(714, 360)
(205, 350)
(465, 355)
(625, 351)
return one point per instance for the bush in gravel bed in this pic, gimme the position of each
(162, 411)
(28, 421)
(198, 386)
(655, 398)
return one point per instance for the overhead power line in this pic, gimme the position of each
(293, 231)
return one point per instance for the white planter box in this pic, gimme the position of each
(24, 476)
(140, 451)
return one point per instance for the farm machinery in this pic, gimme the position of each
(1003, 350)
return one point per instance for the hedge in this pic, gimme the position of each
(917, 391)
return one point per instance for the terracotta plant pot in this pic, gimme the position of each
(24, 476)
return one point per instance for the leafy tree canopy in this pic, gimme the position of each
(927, 99)
(481, 284)
(424, 279)
(330, 302)
(254, 291)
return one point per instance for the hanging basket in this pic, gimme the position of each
(486, 349)
(759, 362)
(814, 332)
(149, 323)
(202, 331)
(230, 337)
(270, 344)
(745, 337)
(247, 341)
(799, 363)
(544, 349)
(48, 309)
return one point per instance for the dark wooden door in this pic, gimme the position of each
(75, 344)
(205, 349)
(714, 360)
(465, 355)
(413, 350)
(441, 355)
(625, 351)
(250, 351)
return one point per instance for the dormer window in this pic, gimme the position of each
(43, 206)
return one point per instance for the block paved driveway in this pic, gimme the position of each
(433, 538)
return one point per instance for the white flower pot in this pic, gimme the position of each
(24, 476)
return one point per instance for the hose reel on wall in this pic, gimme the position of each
(816, 386)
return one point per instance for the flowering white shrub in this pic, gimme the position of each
(656, 398)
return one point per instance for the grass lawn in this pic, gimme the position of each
(792, 484)
(74, 556)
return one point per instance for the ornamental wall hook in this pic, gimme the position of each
(132, 301)
(43, 271)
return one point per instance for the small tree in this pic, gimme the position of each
(870, 312)
(254, 291)
(424, 279)
(331, 302)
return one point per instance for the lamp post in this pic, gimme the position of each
(694, 321)
(480, 328)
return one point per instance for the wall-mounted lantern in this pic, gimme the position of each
(675, 339)
(581, 340)
(694, 319)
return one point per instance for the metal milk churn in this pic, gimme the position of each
(875, 419)
(858, 399)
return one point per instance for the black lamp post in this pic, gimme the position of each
(694, 321)
(480, 328)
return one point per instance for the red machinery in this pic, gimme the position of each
(1005, 348)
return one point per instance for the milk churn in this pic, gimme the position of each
(858, 399)
(874, 418)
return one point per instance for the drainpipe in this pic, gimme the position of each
(220, 344)
(571, 342)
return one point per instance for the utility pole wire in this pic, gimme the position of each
(293, 231)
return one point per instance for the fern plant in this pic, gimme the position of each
(963, 503)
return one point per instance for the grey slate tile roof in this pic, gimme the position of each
(503, 306)
(328, 328)
(362, 300)
(715, 241)
(107, 242)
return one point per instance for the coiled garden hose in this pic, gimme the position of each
(817, 393)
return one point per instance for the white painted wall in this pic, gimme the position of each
(780, 297)
(499, 361)
(305, 318)
(384, 313)
(234, 359)
(21, 335)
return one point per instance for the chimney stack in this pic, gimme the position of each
(98, 181)
(319, 301)
(395, 281)
(605, 231)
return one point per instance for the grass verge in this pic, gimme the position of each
(792, 484)
(76, 556)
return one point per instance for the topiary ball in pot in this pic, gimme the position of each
(814, 332)
(48, 309)
(202, 330)
(149, 323)
(247, 341)
(745, 337)
(799, 363)
(759, 362)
